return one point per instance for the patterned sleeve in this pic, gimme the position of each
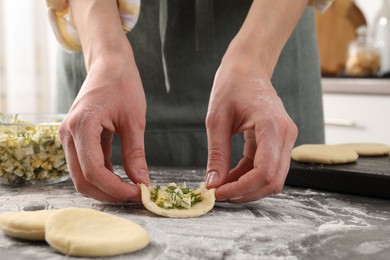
(63, 26)
(321, 5)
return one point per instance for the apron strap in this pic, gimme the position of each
(163, 23)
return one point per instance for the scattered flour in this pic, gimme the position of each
(336, 225)
(372, 247)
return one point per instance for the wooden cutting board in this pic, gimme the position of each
(336, 28)
(368, 176)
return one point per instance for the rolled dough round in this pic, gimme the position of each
(25, 224)
(369, 149)
(325, 154)
(199, 209)
(91, 233)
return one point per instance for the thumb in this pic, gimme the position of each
(219, 146)
(133, 156)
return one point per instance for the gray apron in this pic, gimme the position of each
(177, 62)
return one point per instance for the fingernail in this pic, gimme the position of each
(212, 178)
(143, 176)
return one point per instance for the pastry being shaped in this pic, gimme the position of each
(178, 201)
(91, 233)
(28, 225)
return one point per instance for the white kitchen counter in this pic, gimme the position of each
(356, 86)
(356, 110)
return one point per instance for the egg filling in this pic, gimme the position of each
(175, 196)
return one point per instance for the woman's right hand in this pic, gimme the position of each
(110, 101)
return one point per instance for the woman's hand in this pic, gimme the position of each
(243, 100)
(111, 100)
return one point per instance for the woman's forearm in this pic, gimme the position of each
(100, 30)
(266, 29)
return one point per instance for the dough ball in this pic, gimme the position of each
(325, 154)
(198, 209)
(369, 149)
(25, 224)
(91, 233)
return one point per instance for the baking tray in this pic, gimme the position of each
(368, 176)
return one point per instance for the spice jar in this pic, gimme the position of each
(363, 56)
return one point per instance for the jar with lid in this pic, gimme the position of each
(363, 55)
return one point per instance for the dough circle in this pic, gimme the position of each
(369, 149)
(199, 209)
(325, 154)
(91, 233)
(25, 224)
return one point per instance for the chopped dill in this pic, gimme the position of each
(175, 196)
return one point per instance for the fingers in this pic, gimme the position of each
(249, 177)
(219, 134)
(106, 143)
(243, 166)
(247, 188)
(288, 145)
(271, 185)
(80, 183)
(255, 180)
(86, 161)
(246, 163)
(133, 154)
(270, 167)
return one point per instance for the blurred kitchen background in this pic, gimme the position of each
(354, 43)
(355, 84)
(27, 57)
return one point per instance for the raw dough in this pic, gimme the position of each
(201, 208)
(91, 233)
(326, 154)
(369, 149)
(25, 224)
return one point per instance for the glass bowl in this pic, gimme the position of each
(30, 149)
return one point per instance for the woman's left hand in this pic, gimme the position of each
(243, 100)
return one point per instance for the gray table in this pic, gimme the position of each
(296, 224)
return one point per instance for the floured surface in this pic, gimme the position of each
(296, 224)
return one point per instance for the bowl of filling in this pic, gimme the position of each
(30, 149)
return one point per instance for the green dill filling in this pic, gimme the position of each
(175, 196)
(30, 153)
